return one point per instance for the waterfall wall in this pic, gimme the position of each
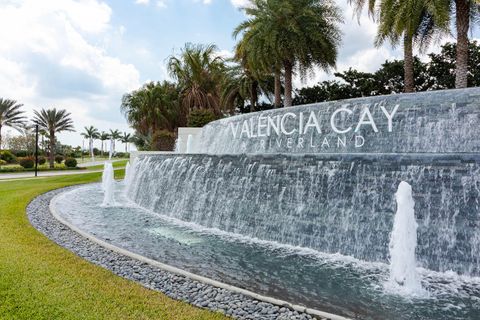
(339, 203)
(341, 198)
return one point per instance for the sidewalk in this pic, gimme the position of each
(99, 162)
(44, 174)
(31, 174)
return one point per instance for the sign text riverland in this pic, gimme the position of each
(316, 129)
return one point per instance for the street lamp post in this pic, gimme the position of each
(36, 149)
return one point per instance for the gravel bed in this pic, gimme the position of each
(177, 287)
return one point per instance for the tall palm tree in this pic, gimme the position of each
(10, 115)
(126, 138)
(114, 136)
(258, 57)
(199, 72)
(302, 34)
(416, 21)
(91, 133)
(53, 121)
(103, 137)
(465, 12)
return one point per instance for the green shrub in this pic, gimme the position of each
(199, 117)
(12, 168)
(42, 160)
(27, 162)
(7, 156)
(163, 140)
(70, 163)
(122, 155)
(58, 159)
(2, 162)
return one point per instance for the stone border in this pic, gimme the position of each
(176, 283)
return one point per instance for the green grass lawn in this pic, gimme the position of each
(41, 280)
(115, 163)
(97, 158)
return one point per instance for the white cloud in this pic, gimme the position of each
(162, 3)
(225, 54)
(144, 2)
(52, 57)
(240, 3)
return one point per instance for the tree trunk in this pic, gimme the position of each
(408, 63)
(101, 151)
(463, 24)
(92, 154)
(253, 96)
(52, 150)
(0, 137)
(278, 89)
(288, 83)
(126, 145)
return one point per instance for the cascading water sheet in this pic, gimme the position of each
(339, 203)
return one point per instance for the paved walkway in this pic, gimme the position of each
(31, 174)
(99, 162)
(44, 174)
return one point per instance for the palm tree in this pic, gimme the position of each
(240, 84)
(10, 115)
(416, 21)
(258, 56)
(154, 107)
(114, 135)
(126, 139)
(298, 34)
(103, 137)
(53, 121)
(465, 11)
(199, 72)
(245, 81)
(91, 133)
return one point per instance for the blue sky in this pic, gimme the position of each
(83, 55)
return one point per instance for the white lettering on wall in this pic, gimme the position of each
(272, 125)
(282, 123)
(245, 130)
(333, 117)
(312, 122)
(290, 129)
(389, 116)
(366, 114)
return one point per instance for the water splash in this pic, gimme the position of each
(178, 145)
(126, 180)
(108, 185)
(403, 241)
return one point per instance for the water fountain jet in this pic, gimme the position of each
(108, 185)
(126, 180)
(403, 242)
